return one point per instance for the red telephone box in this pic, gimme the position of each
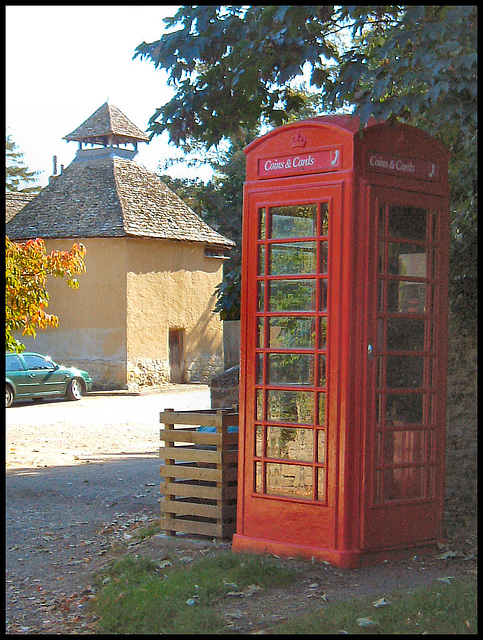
(344, 341)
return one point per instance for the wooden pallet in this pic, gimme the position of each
(200, 472)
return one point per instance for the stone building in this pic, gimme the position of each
(143, 313)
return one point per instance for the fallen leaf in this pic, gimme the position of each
(446, 555)
(367, 622)
(446, 580)
(382, 602)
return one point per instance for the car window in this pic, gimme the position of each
(13, 363)
(37, 362)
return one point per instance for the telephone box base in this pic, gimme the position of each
(342, 559)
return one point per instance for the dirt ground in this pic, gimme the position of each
(68, 515)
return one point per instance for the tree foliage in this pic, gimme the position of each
(17, 174)
(26, 269)
(235, 68)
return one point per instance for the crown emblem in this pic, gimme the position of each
(298, 141)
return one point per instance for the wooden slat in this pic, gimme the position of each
(198, 473)
(191, 454)
(180, 489)
(192, 491)
(198, 437)
(195, 473)
(213, 511)
(191, 526)
(199, 420)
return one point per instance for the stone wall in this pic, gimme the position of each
(461, 427)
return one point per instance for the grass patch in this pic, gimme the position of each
(148, 531)
(138, 597)
(438, 609)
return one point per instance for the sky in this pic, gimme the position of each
(64, 62)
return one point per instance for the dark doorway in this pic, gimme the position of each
(176, 369)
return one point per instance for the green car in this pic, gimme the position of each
(32, 376)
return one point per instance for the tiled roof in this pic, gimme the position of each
(15, 201)
(107, 122)
(110, 197)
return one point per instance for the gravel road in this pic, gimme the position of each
(81, 478)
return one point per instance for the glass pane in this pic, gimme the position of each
(381, 296)
(291, 406)
(404, 371)
(404, 447)
(324, 226)
(258, 441)
(431, 405)
(404, 484)
(322, 375)
(291, 333)
(323, 294)
(407, 260)
(323, 333)
(377, 448)
(380, 372)
(406, 297)
(34, 362)
(292, 258)
(382, 218)
(404, 408)
(292, 295)
(377, 487)
(261, 222)
(13, 363)
(321, 409)
(321, 446)
(259, 404)
(261, 296)
(259, 369)
(407, 223)
(290, 368)
(260, 333)
(405, 334)
(379, 402)
(261, 260)
(321, 484)
(293, 221)
(258, 477)
(382, 258)
(324, 257)
(289, 480)
(290, 444)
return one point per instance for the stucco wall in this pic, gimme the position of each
(116, 324)
(170, 285)
(92, 319)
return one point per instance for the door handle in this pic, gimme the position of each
(370, 353)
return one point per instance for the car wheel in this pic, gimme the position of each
(8, 396)
(75, 389)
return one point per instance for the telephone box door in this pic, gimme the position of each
(406, 368)
(290, 399)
